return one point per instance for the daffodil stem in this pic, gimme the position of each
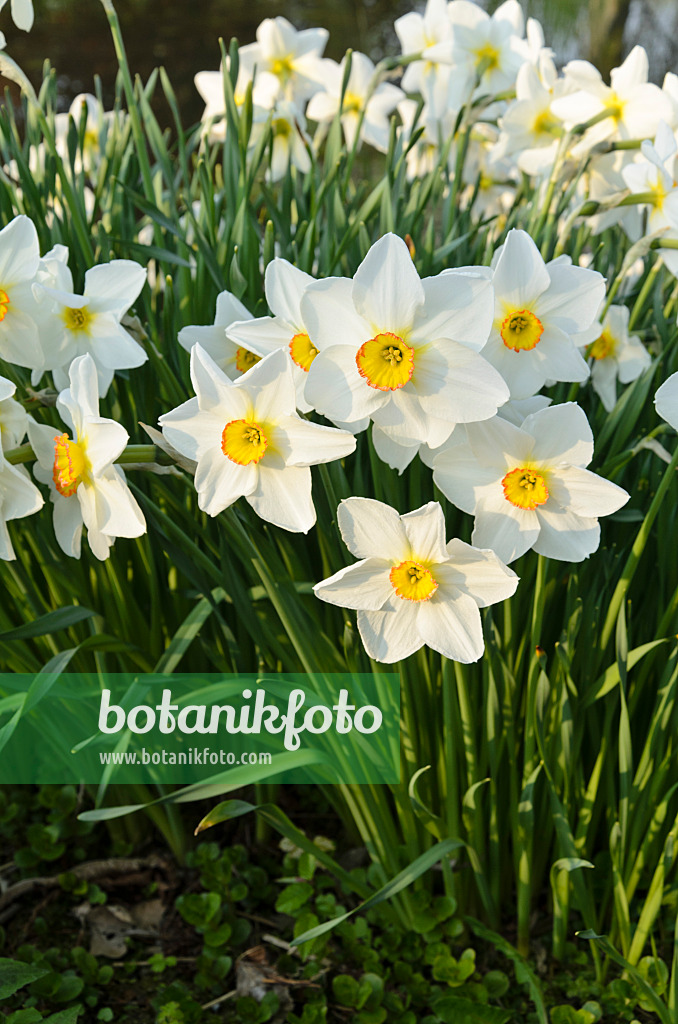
(636, 552)
(648, 285)
(132, 455)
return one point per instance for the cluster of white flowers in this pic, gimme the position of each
(447, 369)
(46, 326)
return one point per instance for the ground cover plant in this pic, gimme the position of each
(455, 298)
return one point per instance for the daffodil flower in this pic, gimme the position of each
(378, 104)
(484, 47)
(528, 486)
(22, 13)
(293, 57)
(249, 441)
(13, 417)
(19, 262)
(90, 323)
(538, 307)
(400, 350)
(410, 587)
(634, 106)
(615, 355)
(210, 85)
(19, 497)
(86, 488)
(285, 286)
(290, 141)
(231, 357)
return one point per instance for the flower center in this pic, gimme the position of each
(488, 57)
(282, 68)
(243, 442)
(602, 347)
(385, 362)
(245, 360)
(303, 351)
(77, 319)
(521, 330)
(282, 127)
(352, 103)
(525, 489)
(70, 465)
(4, 304)
(413, 581)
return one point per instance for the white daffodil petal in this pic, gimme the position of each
(505, 529)
(452, 627)
(283, 497)
(562, 435)
(285, 285)
(368, 526)
(307, 444)
(365, 585)
(666, 401)
(462, 478)
(476, 572)
(425, 529)
(336, 389)
(104, 440)
(391, 634)
(219, 481)
(520, 275)
(387, 290)
(125, 518)
(191, 431)
(213, 388)
(459, 307)
(565, 535)
(114, 286)
(585, 493)
(67, 522)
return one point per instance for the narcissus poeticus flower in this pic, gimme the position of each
(410, 587)
(528, 486)
(90, 323)
(400, 350)
(19, 263)
(232, 358)
(249, 441)
(19, 497)
(285, 285)
(538, 307)
(87, 489)
(615, 355)
(13, 417)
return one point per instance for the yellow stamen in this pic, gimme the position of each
(282, 127)
(4, 304)
(488, 56)
(525, 488)
(78, 319)
(352, 103)
(245, 360)
(413, 581)
(243, 442)
(602, 347)
(521, 330)
(303, 351)
(282, 67)
(385, 362)
(70, 465)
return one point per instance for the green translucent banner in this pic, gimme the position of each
(197, 728)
